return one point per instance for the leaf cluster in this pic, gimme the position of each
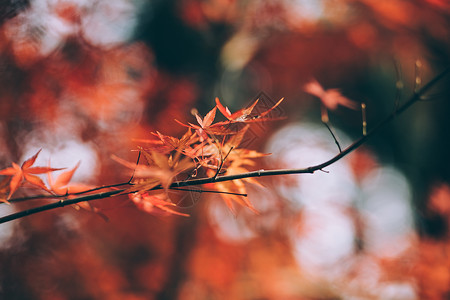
(206, 150)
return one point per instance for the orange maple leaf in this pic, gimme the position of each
(166, 144)
(205, 123)
(231, 186)
(4, 186)
(235, 163)
(231, 150)
(240, 159)
(171, 143)
(25, 173)
(154, 205)
(162, 169)
(62, 185)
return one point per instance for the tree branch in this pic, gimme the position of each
(55, 196)
(192, 182)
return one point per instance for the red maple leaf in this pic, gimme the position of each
(243, 115)
(20, 175)
(240, 115)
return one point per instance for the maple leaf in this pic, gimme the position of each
(243, 115)
(62, 185)
(236, 167)
(173, 143)
(162, 169)
(4, 185)
(154, 205)
(239, 116)
(163, 166)
(24, 173)
(167, 143)
(331, 98)
(205, 125)
(230, 148)
(207, 121)
(235, 163)
(232, 186)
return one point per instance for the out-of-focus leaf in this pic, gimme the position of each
(155, 204)
(20, 175)
(330, 98)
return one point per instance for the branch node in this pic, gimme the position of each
(364, 120)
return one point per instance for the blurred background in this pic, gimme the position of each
(85, 79)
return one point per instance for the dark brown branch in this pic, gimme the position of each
(55, 196)
(57, 204)
(416, 97)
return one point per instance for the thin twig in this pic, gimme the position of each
(333, 135)
(219, 168)
(137, 163)
(208, 191)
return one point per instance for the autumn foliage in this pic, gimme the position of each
(206, 150)
(224, 149)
